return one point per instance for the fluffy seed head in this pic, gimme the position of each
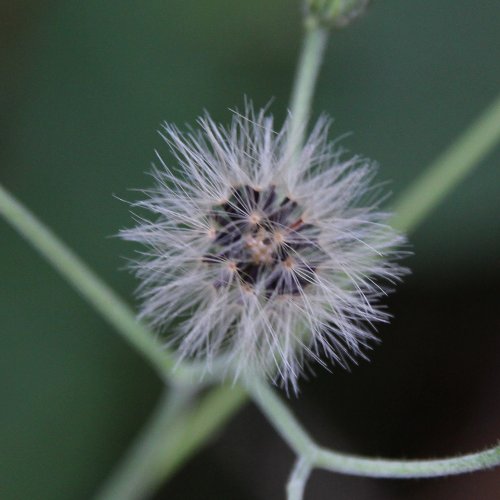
(264, 259)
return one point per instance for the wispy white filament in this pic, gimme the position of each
(266, 261)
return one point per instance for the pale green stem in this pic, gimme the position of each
(85, 281)
(376, 467)
(298, 478)
(448, 169)
(293, 433)
(311, 56)
(142, 470)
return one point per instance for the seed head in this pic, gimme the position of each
(261, 258)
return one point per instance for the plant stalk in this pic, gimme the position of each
(310, 59)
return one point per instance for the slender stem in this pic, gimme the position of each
(376, 467)
(142, 469)
(298, 479)
(449, 169)
(311, 56)
(85, 281)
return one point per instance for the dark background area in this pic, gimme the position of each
(83, 88)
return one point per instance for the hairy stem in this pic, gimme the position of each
(377, 467)
(298, 479)
(311, 56)
(449, 169)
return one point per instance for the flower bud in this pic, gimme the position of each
(335, 13)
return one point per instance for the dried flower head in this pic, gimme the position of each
(260, 257)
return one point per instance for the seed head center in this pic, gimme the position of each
(261, 247)
(261, 239)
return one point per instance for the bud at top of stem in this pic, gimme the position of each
(334, 13)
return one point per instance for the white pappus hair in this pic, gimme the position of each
(263, 258)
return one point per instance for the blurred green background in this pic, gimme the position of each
(83, 89)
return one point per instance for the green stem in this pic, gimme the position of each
(376, 467)
(311, 56)
(85, 281)
(142, 469)
(448, 169)
(298, 479)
